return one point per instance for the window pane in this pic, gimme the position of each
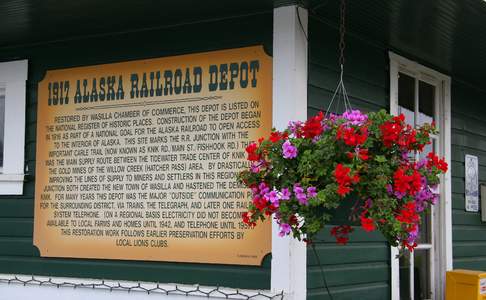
(421, 272)
(424, 228)
(2, 120)
(426, 102)
(405, 276)
(421, 275)
(406, 97)
(432, 147)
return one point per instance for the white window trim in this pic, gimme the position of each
(14, 75)
(444, 232)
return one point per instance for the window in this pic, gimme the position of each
(13, 76)
(423, 96)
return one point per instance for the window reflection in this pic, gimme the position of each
(406, 97)
(422, 274)
(405, 276)
(426, 103)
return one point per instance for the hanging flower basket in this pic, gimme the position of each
(301, 175)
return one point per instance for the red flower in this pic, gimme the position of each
(341, 233)
(343, 190)
(360, 153)
(276, 136)
(408, 214)
(400, 181)
(412, 228)
(367, 223)
(293, 220)
(409, 246)
(390, 130)
(341, 172)
(404, 183)
(407, 138)
(344, 179)
(251, 150)
(270, 210)
(313, 126)
(341, 175)
(246, 216)
(415, 182)
(434, 161)
(396, 132)
(351, 136)
(260, 203)
(342, 240)
(363, 154)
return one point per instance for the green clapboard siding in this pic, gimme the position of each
(17, 254)
(468, 137)
(367, 83)
(360, 269)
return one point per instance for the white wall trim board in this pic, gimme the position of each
(289, 256)
(51, 288)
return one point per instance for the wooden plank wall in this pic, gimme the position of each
(468, 137)
(361, 269)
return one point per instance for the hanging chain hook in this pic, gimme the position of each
(342, 33)
(340, 91)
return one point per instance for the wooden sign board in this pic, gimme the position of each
(137, 160)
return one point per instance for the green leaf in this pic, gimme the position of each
(380, 158)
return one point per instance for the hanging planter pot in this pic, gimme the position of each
(301, 175)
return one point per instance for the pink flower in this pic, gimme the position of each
(272, 197)
(355, 117)
(302, 198)
(285, 229)
(263, 188)
(295, 128)
(289, 150)
(255, 168)
(285, 194)
(311, 192)
(300, 194)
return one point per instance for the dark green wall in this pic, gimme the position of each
(17, 254)
(468, 137)
(361, 269)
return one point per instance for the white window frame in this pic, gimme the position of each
(13, 75)
(443, 234)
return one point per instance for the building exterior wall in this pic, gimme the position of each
(360, 269)
(363, 266)
(468, 137)
(17, 253)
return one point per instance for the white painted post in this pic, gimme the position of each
(289, 257)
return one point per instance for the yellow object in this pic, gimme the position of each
(465, 285)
